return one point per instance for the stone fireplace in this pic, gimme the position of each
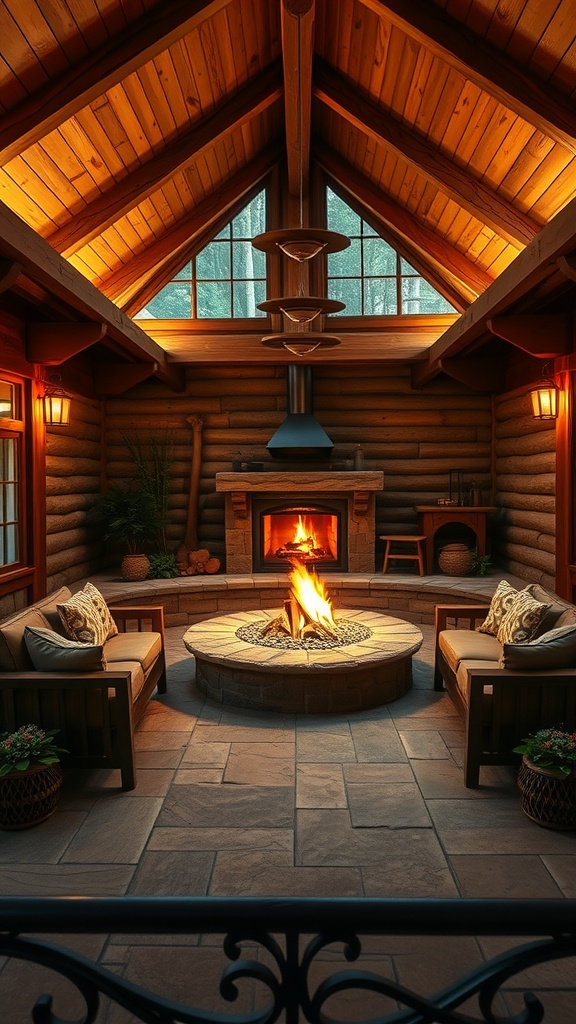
(323, 518)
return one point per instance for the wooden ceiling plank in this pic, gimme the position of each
(415, 236)
(49, 107)
(482, 63)
(123, 281)
(116, 378)
(482, 202)
(530, 268)
(53, 343)
(543, 335)
(151, 176)
(297, 26)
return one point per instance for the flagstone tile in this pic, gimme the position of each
(44, 843)
(372, 772)
(227, 806)
(262, 764)
(205, 752)
(445, 779)
(320, 785)
(391, 805)
(172, 873)
(562, 867)
(45, 879)
(428, 745)
(194, 776)
(275, 840)
(153, 740)
(326, 837)
(115, 831)
(413, 877)
(377, 741)
(256, 874)
(508, 876)
(493, 826)
(325, 745)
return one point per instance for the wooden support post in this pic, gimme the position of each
(191, 538)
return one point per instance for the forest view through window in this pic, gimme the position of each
(226, 279)
(370, 276)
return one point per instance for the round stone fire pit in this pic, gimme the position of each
(236, 665)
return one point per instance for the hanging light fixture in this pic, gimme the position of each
(301, 343)
(56, 403)
(545, 398)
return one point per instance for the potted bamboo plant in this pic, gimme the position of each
(130, 517)
(30, 776)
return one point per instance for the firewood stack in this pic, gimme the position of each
(193, 563)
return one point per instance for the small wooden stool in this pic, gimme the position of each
(417, 555)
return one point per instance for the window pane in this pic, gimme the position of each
(379, 257)
(213, 299)
(420, 297)
(248, 261)
(406, 268)
(7, 403)
(348, 290)
(225, 233)
(339, 216)
(172, 303)
(213, 262)
(185, 274)
(9, 525)
(247, 294)
(252, 219)
(346, 263)
(380, 296)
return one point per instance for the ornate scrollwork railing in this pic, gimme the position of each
(291, 932)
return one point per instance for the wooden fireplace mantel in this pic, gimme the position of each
(358, 487)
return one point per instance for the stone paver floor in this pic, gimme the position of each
(232, 803)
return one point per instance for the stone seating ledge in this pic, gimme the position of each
(189, 599)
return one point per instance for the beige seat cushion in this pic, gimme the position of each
(137, 677)
(463, 678)
(141, 647)
(13, 653)
(464, 644)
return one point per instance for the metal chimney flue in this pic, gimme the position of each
(300, 436)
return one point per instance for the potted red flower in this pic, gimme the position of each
(30, 776)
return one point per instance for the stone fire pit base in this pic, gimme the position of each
(354, 677)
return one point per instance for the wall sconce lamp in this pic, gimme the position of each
(56, 405)
(545, 399)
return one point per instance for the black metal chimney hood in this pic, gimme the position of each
(300, 436)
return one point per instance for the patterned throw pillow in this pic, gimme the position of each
(522, 620)
(85, 619)
(501, 602)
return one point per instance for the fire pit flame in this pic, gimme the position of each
(308, 609)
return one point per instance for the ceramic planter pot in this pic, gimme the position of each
(27, 798)
(547, 796)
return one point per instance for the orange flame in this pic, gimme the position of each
(303, 534)
(310, 593)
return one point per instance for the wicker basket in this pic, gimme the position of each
(455, 559)
(547, 797)
(27, 798)
(135, 567)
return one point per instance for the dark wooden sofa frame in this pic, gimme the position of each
(93, 711)
(520, 702)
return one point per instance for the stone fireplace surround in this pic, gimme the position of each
(358, 488)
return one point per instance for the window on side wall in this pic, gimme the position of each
(11, 476)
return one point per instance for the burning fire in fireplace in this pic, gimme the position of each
(307, 610)
(312, 537)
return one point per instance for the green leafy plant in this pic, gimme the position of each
(27, 747)
(163, 566)
(153, 465)
(481, 564)
(550, 748)
(126, 515)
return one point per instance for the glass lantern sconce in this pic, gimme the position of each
(545, 399)
(56, 405)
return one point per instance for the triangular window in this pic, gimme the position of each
(370, 276)
(226, 279)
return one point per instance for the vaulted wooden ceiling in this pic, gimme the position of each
(130, 130)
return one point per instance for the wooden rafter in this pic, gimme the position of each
(53, 343)
(544, 335)
(115, 378)
(461, 276)
(48, 108)
(475, 197)
(529, 269)
(482, 64)
(123, 197)
(123, 282)
(297, 23)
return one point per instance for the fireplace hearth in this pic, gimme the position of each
(264, 531)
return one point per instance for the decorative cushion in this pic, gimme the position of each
(556, 607)
(555, 649)
(50, 652)
(522, 620)
(501, 602)
(13, 653)
(568, 618)
(86, 618)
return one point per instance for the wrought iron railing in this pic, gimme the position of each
(290, 934)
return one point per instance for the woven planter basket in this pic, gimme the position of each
(27, 798)
(547, 797)
(455, 559)
(135, 567)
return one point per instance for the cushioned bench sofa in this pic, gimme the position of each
(510, 669)
(70, 662)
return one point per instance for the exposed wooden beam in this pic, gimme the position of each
(297, 24)
(479, 62)
(543, 335)
(482, 202)
(10, 271)
(116, 378)
(53, 343)
(123, 281)
(452, 266)
(531, 267)
(124, 53)
(567, 265)
(42, 264)
(148, 178)
(478, 374)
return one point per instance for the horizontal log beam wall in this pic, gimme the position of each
(525, 478)
(415, 437)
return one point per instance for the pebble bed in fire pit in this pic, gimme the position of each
(347, 633)
(234, 664)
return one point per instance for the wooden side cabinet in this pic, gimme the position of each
(432, 517)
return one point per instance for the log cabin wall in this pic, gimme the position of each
(525, 480)
(415, 437)
(74, 468)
